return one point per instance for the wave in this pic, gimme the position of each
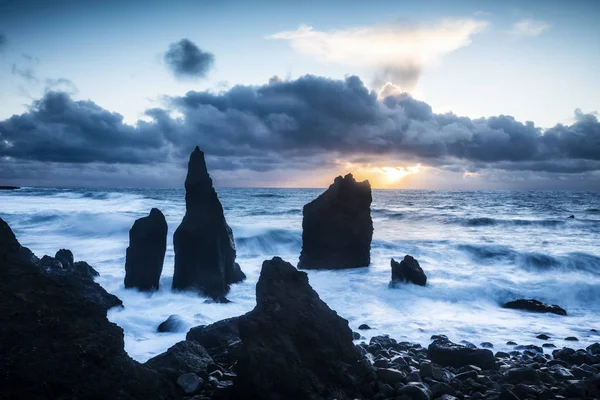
(388, 213)
(269, 242)
(492, 254)
(593, 210)
(268, 195)
(486, 221)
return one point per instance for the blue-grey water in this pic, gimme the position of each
(478, 249)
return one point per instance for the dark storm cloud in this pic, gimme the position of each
(305, 123)
(58, 129)
(186, 60)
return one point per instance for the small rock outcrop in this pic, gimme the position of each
(172, 324)
(56, 340)
(146, 252)
(448, 354)
(534, 306)
(294, 346)
(407, 271)
(204, 245)
(337, 228)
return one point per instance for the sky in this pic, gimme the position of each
(423, 95)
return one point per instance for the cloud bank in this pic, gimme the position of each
(186, 60)
(298, 125)
(397, 53)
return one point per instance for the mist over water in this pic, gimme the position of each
(478, 249)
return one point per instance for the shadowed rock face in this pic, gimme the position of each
(294, 346)
(448, 354)
(146, 251)
(56, 340)
(337, 228)
(407, 270)
(534, 306)
(204, 246)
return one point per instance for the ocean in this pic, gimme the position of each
(478, 249)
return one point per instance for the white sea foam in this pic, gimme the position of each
(479, 249)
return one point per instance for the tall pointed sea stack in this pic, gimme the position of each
(146, 252)
(204, 246)
(337, 228)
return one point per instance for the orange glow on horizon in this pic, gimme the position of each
(381, 177)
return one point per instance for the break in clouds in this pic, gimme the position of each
(300, 124)
(186, 60)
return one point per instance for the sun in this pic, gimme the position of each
(380, 176)
(395, 174)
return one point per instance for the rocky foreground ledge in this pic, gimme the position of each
(56, 343)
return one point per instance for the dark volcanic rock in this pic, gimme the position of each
(535, 306)
(294, 346)
(182, 358)
(337, 228)
(146, 251)
(221, 339)
(203, 243)
(448, 354)
(172, 324)
(65, 257)
(56, 340)
(407, 270)
(363, 327)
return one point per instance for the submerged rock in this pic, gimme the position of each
(172, 324)
(448, 354)
(337, 228)
(534, 306)
(56, 340)
(204, 246)
(146, 252)
(294, 346)
(407, 270)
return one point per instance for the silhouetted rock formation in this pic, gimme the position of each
(294, 346)
(204, 246)
(534, 306)
(65, 257)
(407, 270)
(337, 228)
(146, 252)
(56, 340)
(448, 354)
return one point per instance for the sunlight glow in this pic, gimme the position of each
(380, 177)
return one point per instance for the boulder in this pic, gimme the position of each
(172, 324)
(65, 257)
(337, 228)
(294, 346)
(56, 340)
(204, 246)
(182, 358)
(145, 255)
(221, 339)
(448, 354)
(534, 306)
(407, 271)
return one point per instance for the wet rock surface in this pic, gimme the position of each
(145, 255)
(204, 246)
(534, 306)
(407, 271)
(56, 342)
(337, 228)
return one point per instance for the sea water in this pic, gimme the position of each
(479, 249)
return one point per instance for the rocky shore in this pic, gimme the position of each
(57, 343)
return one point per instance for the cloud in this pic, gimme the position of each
(186, 60)
(26, 73)
(2, 41)
(311, 123)
(529, 27)
(396, 53)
